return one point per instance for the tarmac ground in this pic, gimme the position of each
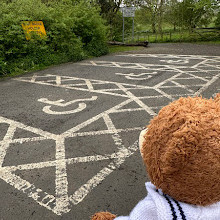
(68, 134)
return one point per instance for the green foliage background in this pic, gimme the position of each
(74, 31)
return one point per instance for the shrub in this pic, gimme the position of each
(217, 21)
(74, 31)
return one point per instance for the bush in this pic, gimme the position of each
(74, 31)
(217, 21)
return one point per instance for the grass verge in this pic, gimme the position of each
(116, 49)
(20, 71)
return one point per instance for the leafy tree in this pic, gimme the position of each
(217, 21)
(154, 7)
(172, 14)
(194, 13)
(110, 11)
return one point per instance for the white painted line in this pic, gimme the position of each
(137, 76)
(176, 86)
(81, 107)
(23, 140)
(42, 198)
(69, 132)
(6, 142)
(83, 191)
(102, 132)
(182, 86)
(167, 80)
(33, 78)
(169, 56)
(133, 65)
(73, 88)
(129, 110)
(62, 199)
(202, 62)
(164, 94)
(85, 159)
(93, 63)
(115, 64)
(89, 85)
(38, 131)
(175, 61)
(198, 77)
(59, 102)
(60, 203)
(116, 137)
(134, 98)
(214, 78)
(58, 80)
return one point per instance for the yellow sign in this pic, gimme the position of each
(33, 26)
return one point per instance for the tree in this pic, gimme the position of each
(172, 13)
(196, 12)
(217, 21)
(154, 7)
(110, 12)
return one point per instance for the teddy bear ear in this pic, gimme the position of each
(183, 145)
(142, 140)
(217, 98)
(172, 160)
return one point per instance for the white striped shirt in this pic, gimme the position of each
(158, 206)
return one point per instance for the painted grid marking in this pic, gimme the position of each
(61, 202)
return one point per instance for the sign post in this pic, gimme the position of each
(123, 34)
(127, 13)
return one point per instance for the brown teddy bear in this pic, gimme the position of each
(181, 151)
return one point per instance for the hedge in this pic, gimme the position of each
(74, 32)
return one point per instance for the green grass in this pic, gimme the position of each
(116, 48)
(18, 72)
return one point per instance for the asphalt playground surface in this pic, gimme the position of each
(68, 134)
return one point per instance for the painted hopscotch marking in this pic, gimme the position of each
(62, 202)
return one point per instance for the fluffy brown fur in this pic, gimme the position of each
(217, 98)
(182, 150)
(103, 216)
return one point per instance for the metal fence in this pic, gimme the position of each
(197, 34)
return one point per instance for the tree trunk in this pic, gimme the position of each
(153, 26)
(174, 26)
(160, 14)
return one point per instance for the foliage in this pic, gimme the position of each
(180, 13)
(197, 35)
(196, 13)
(217, 21)
(172, 13)
(74, 31)
(110, 12)
(153, 7)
